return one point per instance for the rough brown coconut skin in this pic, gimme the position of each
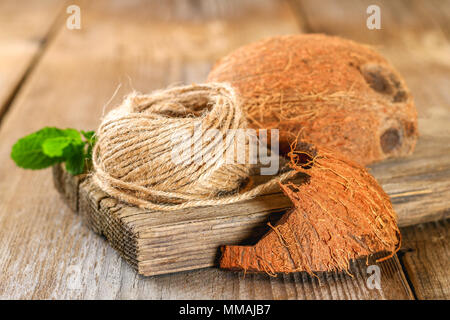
(325, 90)
(340, 213)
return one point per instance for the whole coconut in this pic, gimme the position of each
(324, 90)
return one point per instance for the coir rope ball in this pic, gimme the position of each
(134, 159)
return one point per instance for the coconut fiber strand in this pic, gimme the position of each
(339, 213)
(134, 160)
(326, 90)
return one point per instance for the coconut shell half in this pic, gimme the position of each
(340, 213)
(325, 90)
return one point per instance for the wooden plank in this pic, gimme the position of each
(25, 27)
(426, 255)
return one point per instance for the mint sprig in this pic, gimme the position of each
(50, 146)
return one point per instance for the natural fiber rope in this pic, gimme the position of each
(133, 156)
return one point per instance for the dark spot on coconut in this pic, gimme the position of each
(400, 96)
(390, 140)
(376, 78)
(384, 81)
(410, 129)
(396, 83)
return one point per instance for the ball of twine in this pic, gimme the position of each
(133, 158)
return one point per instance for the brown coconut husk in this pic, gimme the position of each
(334, 92)
(339, 214)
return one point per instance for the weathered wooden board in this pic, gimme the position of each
(25, 28)
(426, 257)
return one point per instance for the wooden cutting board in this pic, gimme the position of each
(165, 242)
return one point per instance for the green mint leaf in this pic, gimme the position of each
(73, 134)
(91, 139)
(75, 158)
(89, 152)
(54, 147)
(50, 146)
(27, 152)
(89, 135)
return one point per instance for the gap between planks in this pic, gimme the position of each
(55, 26)
(425, 257)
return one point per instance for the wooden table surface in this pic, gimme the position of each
(52, 75)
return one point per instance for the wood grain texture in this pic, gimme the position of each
(25, 27)
(426, 256)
